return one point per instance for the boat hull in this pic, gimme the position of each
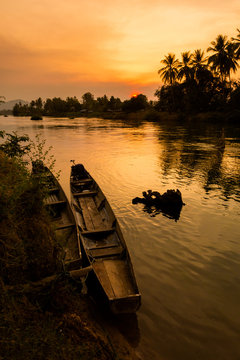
(117, 305)
(61, 216)
(103, 246)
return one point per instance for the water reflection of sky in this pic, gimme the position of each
(187, 271)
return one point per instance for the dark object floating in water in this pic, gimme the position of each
(170, 203)
(36, 117)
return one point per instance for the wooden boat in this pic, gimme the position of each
(61, 216)
(103, 245)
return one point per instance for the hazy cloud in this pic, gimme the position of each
(74, 43)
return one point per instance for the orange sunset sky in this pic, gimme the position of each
(68, 47)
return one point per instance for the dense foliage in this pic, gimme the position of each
(36, 321)
(23, 216)
(199, 83)
(70, 106)
(73, 107)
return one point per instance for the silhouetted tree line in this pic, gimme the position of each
(201, 83)
(72, 106)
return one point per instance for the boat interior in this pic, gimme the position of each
(64, 225)
(96, 219)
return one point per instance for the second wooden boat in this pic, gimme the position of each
(103, 245)
(61, 216)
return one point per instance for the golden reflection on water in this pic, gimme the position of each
(187, 271)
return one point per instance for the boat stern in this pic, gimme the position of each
(126, 305)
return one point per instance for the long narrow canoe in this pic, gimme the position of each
(62, 218)
(103, 245)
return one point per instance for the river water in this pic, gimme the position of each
(188, 270)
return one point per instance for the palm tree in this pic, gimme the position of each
(184, 69)
(199, 65)
(232, 63)
(170, 71)
(198, 60)
(220, 59)
(236, 41)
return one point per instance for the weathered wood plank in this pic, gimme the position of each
(53, 189)
(85, 193)
(85, 213)
(114, 277)
(98, 231)
(102, 276)
(117, 250)
(119, 276)
(82, 181)
(94, 213)
(55, 202)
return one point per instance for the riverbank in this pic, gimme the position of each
(55, 320)
(152, 115)
(166, 117)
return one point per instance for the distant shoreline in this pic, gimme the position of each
(150, 115)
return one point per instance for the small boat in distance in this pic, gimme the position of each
(103, 245)
(36, 117)
(62, 217)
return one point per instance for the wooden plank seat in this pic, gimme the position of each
(117, 250)
(51, 197)
(98, 231)
(101, 239)
(81, 181)
(59, 202)
(85, 193)
(53, 189)
(103, 246)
